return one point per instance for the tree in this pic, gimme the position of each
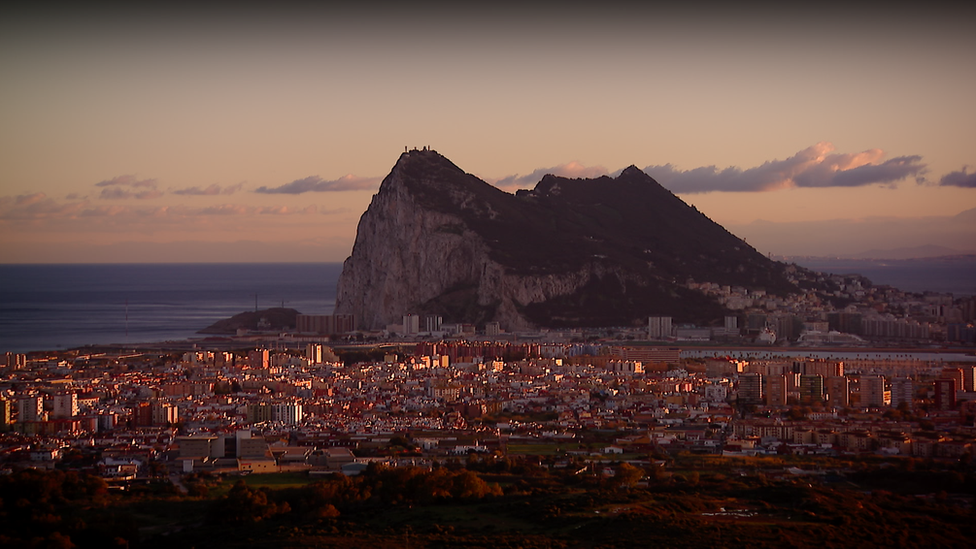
(626, 475)
(244, 504)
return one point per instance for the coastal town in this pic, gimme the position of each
(319, 432)
(424, 391)
(277, 410)
(798, 393)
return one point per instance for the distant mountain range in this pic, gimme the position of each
(916, 252)
(867, 238)
(570, 252)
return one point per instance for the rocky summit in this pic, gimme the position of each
(608, 251)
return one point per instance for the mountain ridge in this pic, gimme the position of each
(569, 252)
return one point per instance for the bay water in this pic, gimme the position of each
(52, 307)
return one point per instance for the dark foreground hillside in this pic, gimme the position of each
(693, 502)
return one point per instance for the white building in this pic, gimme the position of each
(289, 413)
(31, 408)
(411, 324)
(313, 352)
(659, 327)
(65, 405)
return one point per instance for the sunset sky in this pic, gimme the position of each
(260, 134)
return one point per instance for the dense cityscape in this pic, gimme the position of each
(324, 399)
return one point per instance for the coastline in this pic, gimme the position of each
(298, 342)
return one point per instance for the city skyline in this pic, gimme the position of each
(261, 134)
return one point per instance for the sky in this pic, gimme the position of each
(260, 133)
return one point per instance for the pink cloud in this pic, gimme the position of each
(212, 190)
(118, 193)
(315, 183)
(815, 166)
(572, 170)
(67, 215)
(127, 181)
(37, 206)
(226, 209)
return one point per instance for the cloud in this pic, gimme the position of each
(127, 181)
(122, 188)
(36, 206)
(117, 193)
(212, 190)
(39, 206)
(226, 209)
(316, 184)
(959, 179)
(812, 167)
(239, 209)
(106, 211)
(572, 170)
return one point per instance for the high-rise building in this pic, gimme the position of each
(811, 388)
(258, 412)
(968, 378)
(492, 329)
(65, 405)
(750, 388)
(776, 390)
(954, 373)
(142, 415)
(289, 413)
(164, 413)
(313, 352)
(6, 414)
(902, 392)
(825, 368)
(154, 413)
(626, 367)
(874, 392)
(31, 408)
(659, 327)
(945, 394)
(411, 324)
(432, 323)
(259, 359)
(15, 361)
(838, 391)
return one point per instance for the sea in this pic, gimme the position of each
(57, 307)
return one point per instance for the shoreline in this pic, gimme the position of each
(276, 340)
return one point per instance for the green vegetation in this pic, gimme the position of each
(695, 501)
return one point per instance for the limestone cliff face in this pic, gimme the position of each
(404, 256)
(409, 258)
(607, 251)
